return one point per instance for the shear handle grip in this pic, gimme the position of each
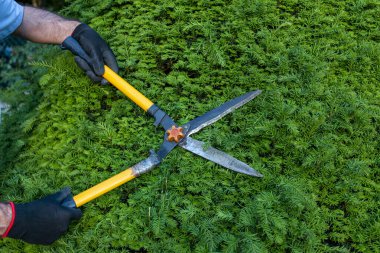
(113, 182)
(73, 45)
(99, 189)
(69, 202)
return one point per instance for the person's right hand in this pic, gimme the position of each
(43, 221)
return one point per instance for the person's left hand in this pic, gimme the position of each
(98, 51)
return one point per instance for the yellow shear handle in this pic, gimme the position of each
(127, 175)
(127, 89)
(104, 187)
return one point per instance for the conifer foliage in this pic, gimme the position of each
(313, 133)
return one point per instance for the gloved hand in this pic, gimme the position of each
(98, 51)
(43, 221)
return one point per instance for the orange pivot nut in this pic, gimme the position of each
(175, 134)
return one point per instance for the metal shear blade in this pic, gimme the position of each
(198, 147)
(217, 156)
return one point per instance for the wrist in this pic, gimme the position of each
(67, 27)
(41, 26)
(7, 214)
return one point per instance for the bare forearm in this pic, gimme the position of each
(45, 27)
(5, 217)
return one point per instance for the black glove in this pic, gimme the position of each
(43, 221)
(98, 51)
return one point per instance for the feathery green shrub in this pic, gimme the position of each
(313, 133)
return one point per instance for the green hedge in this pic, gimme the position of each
(18, 89)
(313, 133)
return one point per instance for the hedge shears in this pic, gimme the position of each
(174, 136)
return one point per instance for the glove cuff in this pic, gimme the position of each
(12, 220)
(79, 29)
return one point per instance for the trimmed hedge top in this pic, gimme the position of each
(313, 133)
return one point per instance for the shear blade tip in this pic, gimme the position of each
(257, 175)
(256, 92)
(254, 173)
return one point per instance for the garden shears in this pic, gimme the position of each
(174, 135)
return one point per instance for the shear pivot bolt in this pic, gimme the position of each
(175, 134)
